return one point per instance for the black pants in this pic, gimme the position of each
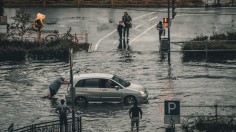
(160, 33)
(63, 121)
(126, 30)
(120, 35)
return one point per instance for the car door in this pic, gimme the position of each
(90, 88)
(110, 92)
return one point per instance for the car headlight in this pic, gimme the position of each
(141, 92)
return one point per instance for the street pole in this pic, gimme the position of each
(71, 86)
(169, 31)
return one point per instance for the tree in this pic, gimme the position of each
(20, 24)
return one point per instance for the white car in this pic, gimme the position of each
(101, 87)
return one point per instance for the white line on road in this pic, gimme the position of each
(152, 18)
(96, 45)
(142, 34)
(138, 26)
(115, 42)
(144, 15)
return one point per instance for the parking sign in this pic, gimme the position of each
(172, 111)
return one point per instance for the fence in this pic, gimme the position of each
(52, 126)
(101, 3)
(207, 50)
(212, 110)
(82, 38)
(212, 118)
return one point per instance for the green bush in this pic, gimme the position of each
(12, 50)
(203, 45)
(12, 53)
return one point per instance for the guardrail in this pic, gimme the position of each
(101, 3)
(206, 45)
(218, 110)
(82, 38)
(208, 118)
(51, 126)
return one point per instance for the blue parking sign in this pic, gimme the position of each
(172, 107)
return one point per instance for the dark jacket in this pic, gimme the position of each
(120, 28)
(62, 109)
(127, 20)
(135, 110)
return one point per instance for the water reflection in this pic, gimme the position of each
(163, 56)
(124, 44)
(126, 51)
(97, 109)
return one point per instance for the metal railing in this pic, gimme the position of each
(205, 48)
(82, 38)
(208, 118)
(99, 3)
(52, 126)
(212, 110)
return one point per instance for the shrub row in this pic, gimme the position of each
(217, 47)
(17, 50)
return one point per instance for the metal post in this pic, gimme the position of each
(80, 129)
(216, 112)
(44, 3)
(112, 3)
(77, 3)
(206, 50)
(71, 86)
(146, 2)
(169, 31)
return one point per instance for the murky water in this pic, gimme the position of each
(193, 83)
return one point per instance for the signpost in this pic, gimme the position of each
(172, 111)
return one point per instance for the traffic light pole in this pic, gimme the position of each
(71, 85)
(169, 31)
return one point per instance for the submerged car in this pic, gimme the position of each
(102, 87)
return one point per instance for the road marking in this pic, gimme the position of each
(144, 15)
(138, 26)
(115, 42)
(142, 34)
(96, 45)
(152, 18)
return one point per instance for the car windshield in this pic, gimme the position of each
(121, 81)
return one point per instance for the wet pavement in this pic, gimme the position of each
(193, 83)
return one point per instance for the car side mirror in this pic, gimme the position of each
(117, 87)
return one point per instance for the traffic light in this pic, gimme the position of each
(173, 9)
(165, 22)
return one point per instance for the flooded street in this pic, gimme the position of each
(193, 83)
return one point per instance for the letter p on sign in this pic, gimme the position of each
(172, 107)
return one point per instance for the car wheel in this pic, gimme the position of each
(81, 101)
(129, 100)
